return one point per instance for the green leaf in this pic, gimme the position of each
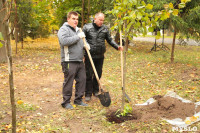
(143, 3)
(181, 5)
(134, 2)
(158, 35)
(150, 29)
(139, 16)
(187, 1)
(1, 36)
(1, 45)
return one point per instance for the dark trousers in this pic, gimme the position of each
(91, 83)
(73, 71)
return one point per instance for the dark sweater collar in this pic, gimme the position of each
(95, 26)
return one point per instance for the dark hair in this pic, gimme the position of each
(72, 13)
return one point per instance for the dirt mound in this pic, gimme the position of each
(164, 107)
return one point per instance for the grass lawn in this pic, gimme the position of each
(38, 88)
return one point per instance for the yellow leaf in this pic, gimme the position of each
(183, 1)
(29, 123)
(193, 118)
(187, 122)
(175, 12)
(162, 123)
(180, 81)
(149, 6)
(171, 5)
(189, 91)
(8, 126)
(20, 102)
(192, 75)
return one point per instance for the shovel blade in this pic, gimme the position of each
(104, 98)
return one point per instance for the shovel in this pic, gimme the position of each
(103, 96)
(127, 98)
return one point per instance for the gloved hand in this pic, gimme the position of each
(87, 45)
(81, 34)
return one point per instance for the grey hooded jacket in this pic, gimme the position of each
(72, 46)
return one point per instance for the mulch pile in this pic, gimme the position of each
(164, 107)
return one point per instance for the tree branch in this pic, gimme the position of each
(2, 41)
(9, 12)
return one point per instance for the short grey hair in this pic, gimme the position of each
(98, 14)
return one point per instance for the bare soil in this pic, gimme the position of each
(164, 107)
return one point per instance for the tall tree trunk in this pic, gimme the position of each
(88, 14)
(16, 27)
(173, 46)
(22, 39)
(2, 30)
(82, 14)
(5, 30)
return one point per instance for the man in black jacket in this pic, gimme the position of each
(96, 34)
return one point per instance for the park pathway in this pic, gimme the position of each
(166, 40)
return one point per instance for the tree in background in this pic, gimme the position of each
(5, 39)
(191, 15)
(3, 57)
(34, 19)
(132, 17)
(91, 7)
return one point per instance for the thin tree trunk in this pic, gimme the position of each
(2, 27)
(173, 46)
(22, 40)
(16, 27)
(10, 69)
(124, 66)
(163, 37)
(82, 14)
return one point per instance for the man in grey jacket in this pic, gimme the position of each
(72, 52)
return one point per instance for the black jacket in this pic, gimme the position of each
(96, 38)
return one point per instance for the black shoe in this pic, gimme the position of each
(87, 99)
(69, 106)
(81, 104)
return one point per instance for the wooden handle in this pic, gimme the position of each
(92, 63)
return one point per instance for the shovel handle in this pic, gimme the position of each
(92, 63)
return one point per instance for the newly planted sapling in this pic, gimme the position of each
(127, 110)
